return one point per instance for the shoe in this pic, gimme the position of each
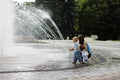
(86, 60)
(74, 63)
(82, 62)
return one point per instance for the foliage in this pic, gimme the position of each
(100, 17)
(73, 17)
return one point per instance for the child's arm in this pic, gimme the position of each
(71, 49)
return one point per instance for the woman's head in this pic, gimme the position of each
(75, 39)
(81, 39)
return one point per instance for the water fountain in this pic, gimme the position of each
(6, 24)
(31, 21)
(31, 25)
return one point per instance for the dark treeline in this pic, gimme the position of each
(88, 17)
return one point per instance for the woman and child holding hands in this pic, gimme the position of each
(82, 50)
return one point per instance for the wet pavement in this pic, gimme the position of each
(56, 65)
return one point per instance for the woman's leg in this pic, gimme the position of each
(89, 55)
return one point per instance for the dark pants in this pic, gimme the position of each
(89, 55)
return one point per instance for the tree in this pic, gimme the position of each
(100, 17)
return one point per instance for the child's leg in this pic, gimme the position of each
(85, 58)
(79, 57)
(75, 57)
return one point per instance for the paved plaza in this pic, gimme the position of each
(56, 65)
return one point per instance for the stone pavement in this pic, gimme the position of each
(105, 65)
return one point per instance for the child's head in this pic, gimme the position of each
(75, 39)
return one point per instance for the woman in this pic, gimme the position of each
(84, 44)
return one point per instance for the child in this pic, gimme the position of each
(84, 54)
(76, 50)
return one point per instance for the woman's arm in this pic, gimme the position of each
(85, 45)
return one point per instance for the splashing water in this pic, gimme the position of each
(35, 22)
(31, 25)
